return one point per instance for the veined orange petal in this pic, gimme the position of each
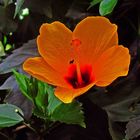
(54, 45)
(39, 69)
(96, 34)
(67, 95)
(74, 62)
(113, 63)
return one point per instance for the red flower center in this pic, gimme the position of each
(85, 78)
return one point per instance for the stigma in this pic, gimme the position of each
(76, 42)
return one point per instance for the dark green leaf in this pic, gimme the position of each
(115, 130)
(6, 2)
(19, 4)
(133, 128)
(125, 110)
(42, 7)
(9, 84)
(7, 24)
(117, 101)
(93, 3)
(122, 111)
(9, 116)
(75, 11)
(69, 113)
(16, 59)
(105, 97)
(15, 97)
(107, 6)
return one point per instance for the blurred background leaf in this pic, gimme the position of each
(18, 4)
(7, 24)
(18, 56)
(93, 3)
(6, 2)
(120, 100)
(116, 130)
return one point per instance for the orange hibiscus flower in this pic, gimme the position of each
(76, 61)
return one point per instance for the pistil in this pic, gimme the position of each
(79, 75)
(76, 44)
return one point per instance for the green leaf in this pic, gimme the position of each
(53, 102)
(4, 40)
(42, 94)
(93, 3)
(9, 115)
(107, 6)
(34, 90)
(19, 4)
(69, 113)
(41, 99)
(46, 105)
(2, 53)
(45, 100)
(8, 47)
(22, 81)
(39, 113)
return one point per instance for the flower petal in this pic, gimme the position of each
(96, 34)
(39, 69)
(54, 45)
(113, 63)
(67, 95)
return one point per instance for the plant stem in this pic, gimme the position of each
(28, 125)
(138, 22)
(4, 135)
